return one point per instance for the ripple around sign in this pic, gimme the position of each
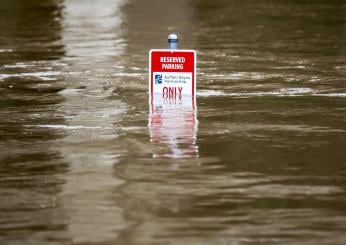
(291, 92)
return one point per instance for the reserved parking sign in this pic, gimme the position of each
(172, 73)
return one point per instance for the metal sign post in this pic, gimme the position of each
(172, 72)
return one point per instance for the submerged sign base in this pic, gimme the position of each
(172, 73)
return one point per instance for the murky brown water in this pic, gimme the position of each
(260, 160)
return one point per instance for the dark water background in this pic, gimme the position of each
(260, 161)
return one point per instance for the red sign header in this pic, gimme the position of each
(172, 61)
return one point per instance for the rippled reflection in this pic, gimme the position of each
(92, 37)
(173, 126)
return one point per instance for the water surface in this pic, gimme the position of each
(86, 159)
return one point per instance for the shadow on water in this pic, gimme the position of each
(271, 47)
(30, 167)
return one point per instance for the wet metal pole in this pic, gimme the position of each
(173, 41)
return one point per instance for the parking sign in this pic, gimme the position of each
(172, 73)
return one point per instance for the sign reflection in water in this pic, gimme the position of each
(173, 127)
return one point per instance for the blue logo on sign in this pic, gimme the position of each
(158, 79)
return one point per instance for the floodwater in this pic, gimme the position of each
(260, 159)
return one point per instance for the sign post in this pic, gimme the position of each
(172, 102)
(172, 72)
